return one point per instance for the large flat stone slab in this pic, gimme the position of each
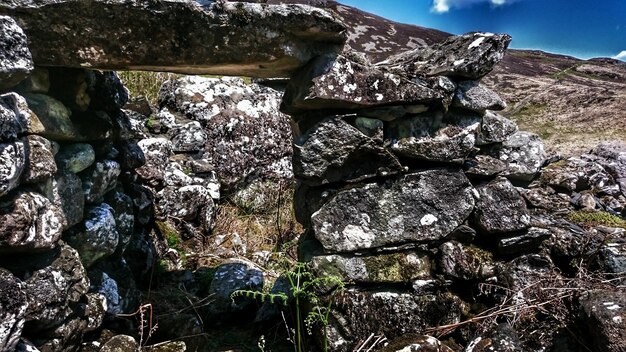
(185, 36)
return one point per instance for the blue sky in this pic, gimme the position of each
(581, 28)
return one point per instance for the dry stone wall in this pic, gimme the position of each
(431, 207)
(417, 194)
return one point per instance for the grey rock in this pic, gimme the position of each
(495, 128)
(524, 154)
(576, 175)
(337, 83)
(417, 207)
(247, 136)
(465, 262)
(335, 151)
(75, 157)
(30, 221)
(38, 81)
(604, 313)
(156, 152)
(65, 190)
(131, 156)
(420, 343)
(450, 144)
(13, 305)
(40, 163)
(109, 94)
(381, 268)
(55, 289)
(503, 339)
(189, 137)
(524, 242)
(468, 56)
(184, 202)
(484, 166)
(120, 343)
(16, 118)
(114, 280)
(276, 38)
(54, 117)
(16, 61)
(12, 164)
(471, 95)
(388, 312)
(99, 179)
(390, 113)
(122, 206)
(500, 208)
(232, 276)
(96, 237)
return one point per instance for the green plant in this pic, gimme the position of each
(596, 218)
(305, 289)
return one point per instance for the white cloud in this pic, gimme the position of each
(621, 56)
(441, 6)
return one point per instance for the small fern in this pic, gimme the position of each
(304, 286)
(263, 296)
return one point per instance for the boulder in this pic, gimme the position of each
(231, 276)
(524, 154)
(122, 206)
(500, 208)
(30, 221)
(337, 83)
(483, 166)
(75, 157)
(495, 128)
(65, 190)
(468, 56)
(114, 280)
(16, 118)
(525, 242)
(156, 152)
(420, 343)
(13, 305)
(464, 262)
(450, 144)
(246, 136)
(210, 36)
(418, 207)
(360, 313)
(54, 117)
(99, 179)
(334, 151)
(55, 290)
(40, 163)
(96, 237)
(183, 203)
(15, 58)
(381, 268)
(604, 317)
(189, 137)
(12, 164)
(471, 95)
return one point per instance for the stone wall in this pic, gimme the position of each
(433, 208)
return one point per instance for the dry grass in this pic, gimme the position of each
(146, 84)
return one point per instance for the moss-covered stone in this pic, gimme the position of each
(393, 267)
